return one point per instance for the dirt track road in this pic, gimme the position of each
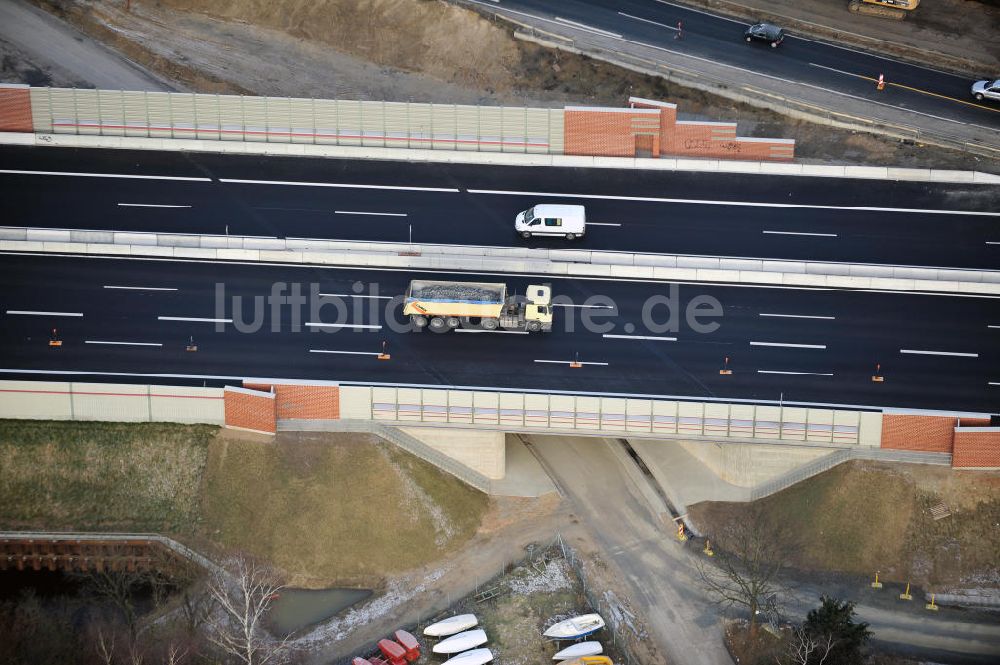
(665, 585)
(64, 56)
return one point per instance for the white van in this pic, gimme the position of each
(548, 219)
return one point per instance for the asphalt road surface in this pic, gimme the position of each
(135, 317)
(772, 217)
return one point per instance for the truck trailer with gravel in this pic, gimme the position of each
(487, 306)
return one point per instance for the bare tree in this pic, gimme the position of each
(243, 592)
(744, 573)
(805, 648)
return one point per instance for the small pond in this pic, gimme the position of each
(296, 609)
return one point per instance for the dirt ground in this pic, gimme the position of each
(864, 516)
(420, 51)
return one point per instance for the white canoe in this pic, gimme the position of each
(470, 639)
(474, 657)
(570, 629)
(579, 649)
(451, 625)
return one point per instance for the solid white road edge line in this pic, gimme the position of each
(365, 326)
(602, 224)
(790, 346)
(587, 28)
(920, 352)
(98, 341)
(26, 312)
(798, 316)
(343, 185)
(747, 204)
(193, 318)
(106, 175)
(651, 337)
(646, 20)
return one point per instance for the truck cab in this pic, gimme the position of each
(539, 308)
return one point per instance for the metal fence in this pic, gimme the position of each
(176, 115)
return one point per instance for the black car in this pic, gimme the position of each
(765, 32)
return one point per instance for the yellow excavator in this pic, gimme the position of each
(894, 9)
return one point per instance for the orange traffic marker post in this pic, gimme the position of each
(931, 605)
(881, 82)
(54, 339)
(191, 346)
(708, 548)
(877, 376)
(384, 355)
(725, 371)
(681, 536)
(906, 594)
(876, 584)
(576, 364)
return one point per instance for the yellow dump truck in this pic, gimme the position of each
(477, 305)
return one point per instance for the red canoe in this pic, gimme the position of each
(393, 651)
(409, 643)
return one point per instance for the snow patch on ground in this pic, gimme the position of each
(553, 578)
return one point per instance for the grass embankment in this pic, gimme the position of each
(102, 476)
(864, 516)
(335, 508)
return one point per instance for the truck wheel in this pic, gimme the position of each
(534, 326)
(419, 321)
(438, 324)
(570, 236)
(526, 235)
(453, 322)
(490, 324)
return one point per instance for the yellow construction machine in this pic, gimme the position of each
(894, 9)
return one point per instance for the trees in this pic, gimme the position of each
(833, 620)
(243, 591)
(745, 573)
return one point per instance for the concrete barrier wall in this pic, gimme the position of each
(51, 400)
(611, 416)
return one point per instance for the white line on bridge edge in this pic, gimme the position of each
(992, 326)
(651, 337)
(355, 295)
(646, 20)
(776, 371)
(347, 353)
(799, 233)
(193, 318)
(366, 326)
(798, 316)
(994, 383)
(98, 341)
(150, 205)
(378, 214)
(920, 352)
(602, 224)
(791, 346)
(587, 28)
(717, 202)
(567, 362)
(239, 181)
(139, 288)
(106, 175)
(31, 313)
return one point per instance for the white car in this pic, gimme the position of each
(548, 219)
(986, 90)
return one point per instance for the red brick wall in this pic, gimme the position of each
(15, 109)
(308, 402)
(251, 410)
(922, 433)
(605, 133)
(976, 449)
